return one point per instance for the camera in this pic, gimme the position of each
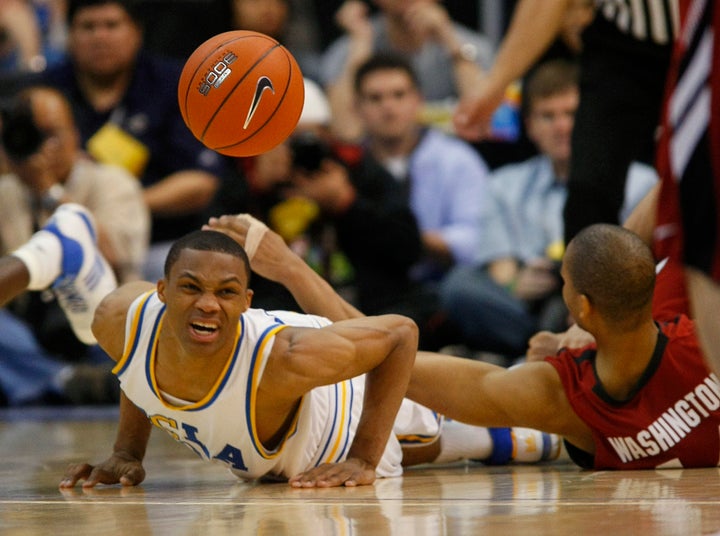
(308, 151)
(21, 137)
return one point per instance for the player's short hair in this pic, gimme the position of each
(615, 269)
(206, 241)
(384, 61)
(548, 79)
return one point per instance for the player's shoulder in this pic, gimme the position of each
(291, 318)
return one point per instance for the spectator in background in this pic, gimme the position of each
(41, 359)
(513, 289)
(624, 62)
(277, 19)
(291, 22)
(444, 179)
(447, 57)
(125, 104)
(32, 35)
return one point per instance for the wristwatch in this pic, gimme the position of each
(466, 52)
(51, 199)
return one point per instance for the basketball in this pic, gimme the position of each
(241, 93)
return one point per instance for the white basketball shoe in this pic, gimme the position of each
(85, 276)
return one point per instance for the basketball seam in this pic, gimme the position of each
(279, 105)
(200, 66)
(230, 93)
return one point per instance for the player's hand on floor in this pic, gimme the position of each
(351, 472)
(115, 470)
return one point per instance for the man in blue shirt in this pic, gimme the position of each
(442, 178)
(513, 288)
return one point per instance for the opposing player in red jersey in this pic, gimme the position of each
(641, 396)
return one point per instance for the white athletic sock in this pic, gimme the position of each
(461, 441)
(42, 255)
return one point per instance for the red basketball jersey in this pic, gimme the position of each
(672, 418)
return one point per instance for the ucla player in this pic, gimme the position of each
(277, 394)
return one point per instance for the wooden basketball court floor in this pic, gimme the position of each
(184, 496)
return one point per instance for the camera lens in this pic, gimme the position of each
(21, 138)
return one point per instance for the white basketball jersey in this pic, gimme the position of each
(221, 427)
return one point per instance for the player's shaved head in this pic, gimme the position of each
(615, 269)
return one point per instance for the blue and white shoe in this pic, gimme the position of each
(85, 276)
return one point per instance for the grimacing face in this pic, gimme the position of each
(205, 294)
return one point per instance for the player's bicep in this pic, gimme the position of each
(308, 357)
(529, 395)
(483, 394)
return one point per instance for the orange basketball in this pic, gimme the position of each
(241, 93)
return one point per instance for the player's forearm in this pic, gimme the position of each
(15, 278)
(385, 388)
(534, 26)
(452, 386)
(315, 295)
(133, 430)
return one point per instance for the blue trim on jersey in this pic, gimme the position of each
(233, 361)
(136, 340)
(332, 429)
(349, 423)
(249, 406)
(151, 350)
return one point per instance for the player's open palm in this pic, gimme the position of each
(351, 472)
(117, 469)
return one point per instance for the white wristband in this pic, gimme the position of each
(256, 231)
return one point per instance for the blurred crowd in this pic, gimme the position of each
(382, 188)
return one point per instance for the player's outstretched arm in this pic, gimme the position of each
(473, 392)
(271, 258)
(124, 466)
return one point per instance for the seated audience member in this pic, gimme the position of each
(447, 57)
(125, 103)
(39, 354)
(444, 179)
(277, 19)
(513, 288)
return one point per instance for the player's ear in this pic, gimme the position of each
(161, 284)
(249, 293)
(585, 307)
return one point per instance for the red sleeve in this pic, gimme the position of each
(670, 297)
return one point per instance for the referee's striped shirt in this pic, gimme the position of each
(655, 21)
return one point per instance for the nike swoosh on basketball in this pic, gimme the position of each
(263, 83)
